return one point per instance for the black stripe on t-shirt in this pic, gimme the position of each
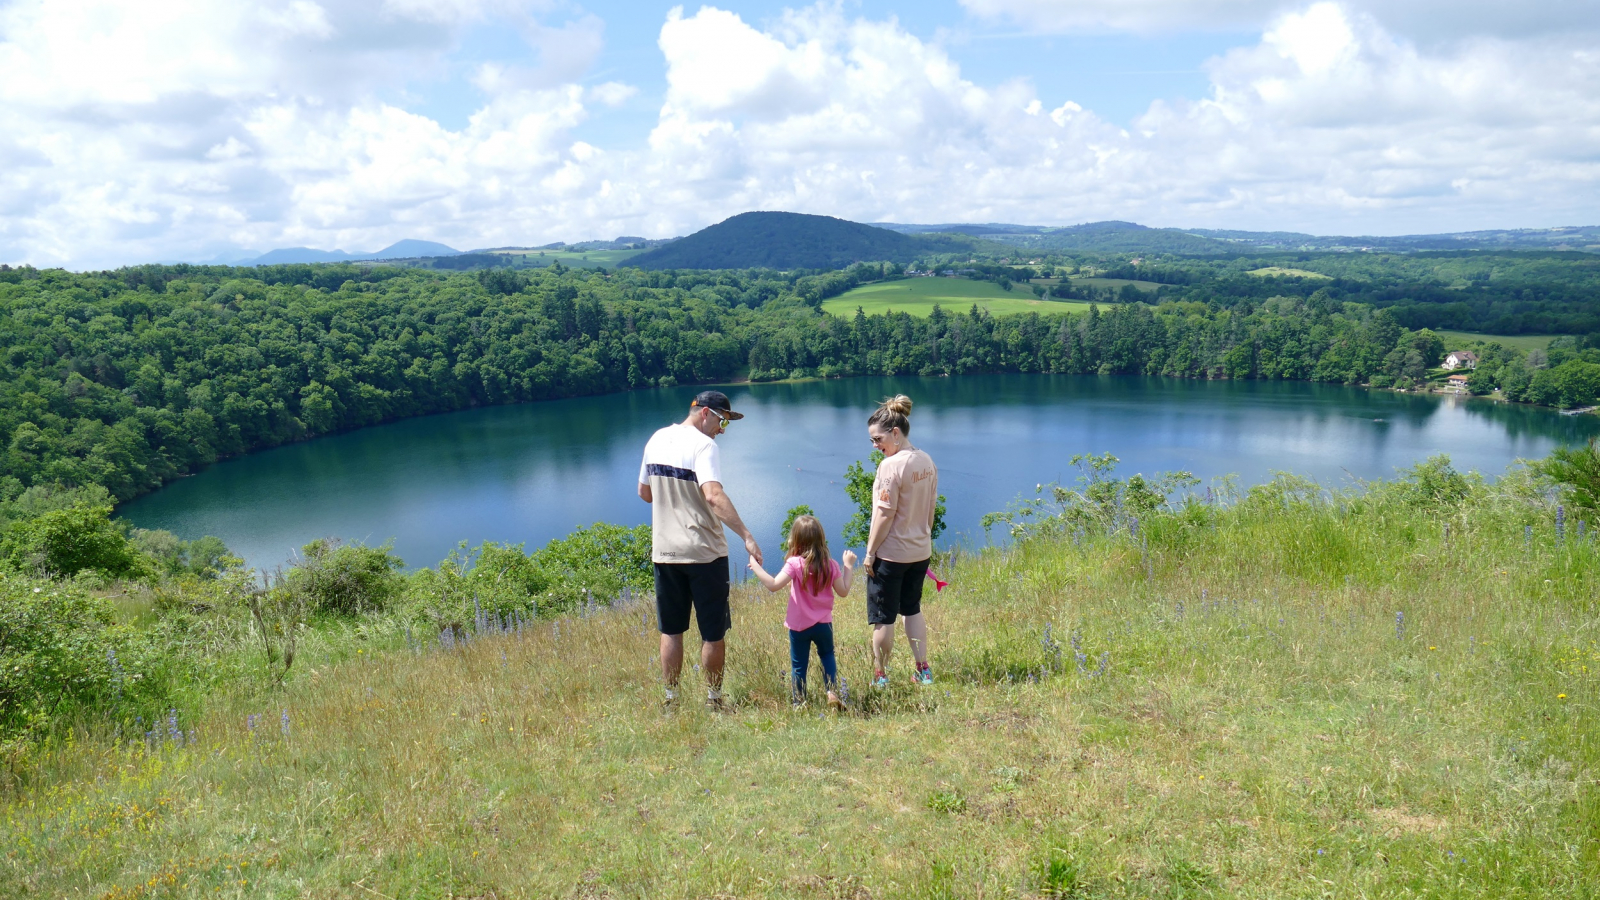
(671, 472)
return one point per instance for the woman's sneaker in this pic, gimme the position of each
(924, 675)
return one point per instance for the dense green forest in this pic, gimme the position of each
(128, 379)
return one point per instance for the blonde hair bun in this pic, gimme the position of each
(899, 404)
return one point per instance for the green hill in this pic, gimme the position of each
(1117, 237)
(783, 240)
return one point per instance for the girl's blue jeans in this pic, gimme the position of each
(800, 643)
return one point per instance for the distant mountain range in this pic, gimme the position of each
(406, 249)
(783, 240)
(1128, 237)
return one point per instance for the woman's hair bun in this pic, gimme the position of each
(899, 404)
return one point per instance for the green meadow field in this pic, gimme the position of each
(1297, 273)
(918, 296)
(1455, 339)
(1116, 283)
(587, 259)
(1383, 692)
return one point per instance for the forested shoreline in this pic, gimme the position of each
(129, 379)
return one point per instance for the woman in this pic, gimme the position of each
(904, 494)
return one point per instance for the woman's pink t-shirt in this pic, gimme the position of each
(808, 607)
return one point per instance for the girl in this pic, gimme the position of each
(905, 496)
(813, 579)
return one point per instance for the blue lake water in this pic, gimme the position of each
(529, 473)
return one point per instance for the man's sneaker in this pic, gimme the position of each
(924, 675)
(716, 704)
(880, 680)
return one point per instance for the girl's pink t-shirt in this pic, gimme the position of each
(808, 607)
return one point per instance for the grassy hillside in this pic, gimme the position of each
(1267, 271)
(1292, 695)
(577, 259)
(918, 296)
(1455, 340)
(780, 240)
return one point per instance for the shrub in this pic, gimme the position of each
(346, 579)
(63, 542)
(206, 557)
(498, 579)
(1577, 470)
(601, 559)
(60, 652)
(1101, 503)
(1431, 484)
(593, 563)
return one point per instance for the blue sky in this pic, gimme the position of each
(133, 130)
(1117, 74)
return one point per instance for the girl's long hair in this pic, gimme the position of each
(808, 541)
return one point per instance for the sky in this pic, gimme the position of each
(135, 131)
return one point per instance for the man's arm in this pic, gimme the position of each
(644, 493)
(723, 507)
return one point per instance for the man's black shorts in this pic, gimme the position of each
(702, 586)
(894, 588)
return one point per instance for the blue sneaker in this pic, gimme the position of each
(880, 680)
(923, 675)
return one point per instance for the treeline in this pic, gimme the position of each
(1496, 293)
(129, 379)
(1317, 339)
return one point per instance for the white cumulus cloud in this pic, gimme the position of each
(270, 132)
(1424, 20)
(1328, 121)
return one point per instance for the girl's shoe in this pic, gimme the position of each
(923, 676)
(880, 680)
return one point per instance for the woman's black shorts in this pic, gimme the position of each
(702, 587)
(894, 588)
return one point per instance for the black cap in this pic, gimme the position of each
(716, 401)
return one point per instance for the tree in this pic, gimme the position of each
(63, 542)
(1577, 471)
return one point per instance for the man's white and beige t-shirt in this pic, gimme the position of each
(677, 461)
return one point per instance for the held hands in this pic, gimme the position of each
(753, 548)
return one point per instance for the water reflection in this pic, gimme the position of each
(532, 472)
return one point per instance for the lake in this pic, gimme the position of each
(529, 473)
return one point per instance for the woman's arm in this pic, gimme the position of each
(841, 584)
(881, 520)
(771, 583)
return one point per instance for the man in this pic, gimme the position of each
(681, 479)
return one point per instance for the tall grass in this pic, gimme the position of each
(1376, 693)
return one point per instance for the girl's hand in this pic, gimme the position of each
(850, 559)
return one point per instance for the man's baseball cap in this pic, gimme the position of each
(716, 401)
